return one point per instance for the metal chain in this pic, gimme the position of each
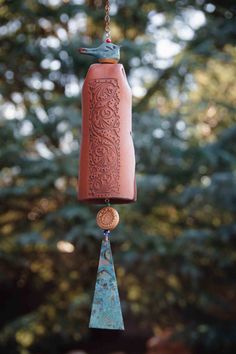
(107, 20)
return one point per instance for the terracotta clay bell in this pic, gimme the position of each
(107, 160)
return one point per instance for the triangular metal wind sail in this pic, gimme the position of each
(106, 310)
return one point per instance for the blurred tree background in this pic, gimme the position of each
(175, 248)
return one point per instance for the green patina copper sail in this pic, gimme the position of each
(106, 311)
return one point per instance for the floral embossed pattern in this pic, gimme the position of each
(104, 138)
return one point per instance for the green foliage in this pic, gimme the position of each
(175, 248)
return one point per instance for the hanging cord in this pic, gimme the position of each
(107, 20)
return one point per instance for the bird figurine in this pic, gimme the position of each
(105, 53)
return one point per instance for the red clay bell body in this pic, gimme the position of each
(107, 160)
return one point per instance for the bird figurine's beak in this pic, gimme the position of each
(88, 51)
(82, 50)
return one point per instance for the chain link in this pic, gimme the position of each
(107, 19)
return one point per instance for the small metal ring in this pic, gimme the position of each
(107, 201)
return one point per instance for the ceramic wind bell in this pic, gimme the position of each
(107, 166)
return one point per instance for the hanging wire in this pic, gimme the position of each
(106, 234)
